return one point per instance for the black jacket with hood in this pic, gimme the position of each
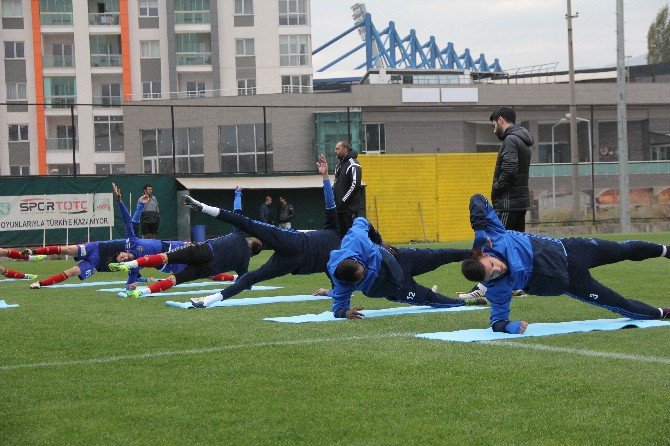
(510, 179)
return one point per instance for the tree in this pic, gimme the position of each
(658, 38)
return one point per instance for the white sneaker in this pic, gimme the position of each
(476, 293)
(519, 293)
(434, 288)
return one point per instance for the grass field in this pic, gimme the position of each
(79, 366)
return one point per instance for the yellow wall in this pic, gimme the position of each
(402, 188)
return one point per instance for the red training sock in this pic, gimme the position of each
(13, 274)
(151, 261)
(58, 278)
(14, 254)
(223, 277)
(47, 250)
(161, 285)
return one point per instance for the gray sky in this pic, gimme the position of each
(518, 32)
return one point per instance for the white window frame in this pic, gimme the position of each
(293, 13)
(151, 94)
(150, 49)
(258, 151)
(296, 87)
(23, 170)
(146, 7)
(15, 45)
(14, 90)
(198, 92)
(14, 12)
(660, 152)
(111, 167)
(245, 47)
(241, 7)
(20, 132)
(111, 120)
(290, 53)
(380, 126)
(246, 87)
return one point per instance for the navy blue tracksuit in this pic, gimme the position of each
(546, 266)
(385, 275)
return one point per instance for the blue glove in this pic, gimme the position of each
(514, 327)
(481, 239)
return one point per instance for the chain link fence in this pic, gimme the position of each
(107, 138)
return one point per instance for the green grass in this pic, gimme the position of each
(228, 377)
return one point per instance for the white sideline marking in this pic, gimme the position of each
(197, 351)
(583, 352)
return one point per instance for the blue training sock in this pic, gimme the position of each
(237, 202)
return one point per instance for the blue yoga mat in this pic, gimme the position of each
(327, 316)
(202, 292)
(216, 285)
(4, 304)
(250, 301)
(85, 284)
(543, 329)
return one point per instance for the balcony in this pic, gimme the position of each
(61, 144)
(107, 101)
(49, 61)
(191, 17)
(194, 58)
(56, 18)
(249, 91)
(296, 89)
(60, 101)
(106, 60)
(104, 19)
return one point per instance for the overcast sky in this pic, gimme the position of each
(518, 32)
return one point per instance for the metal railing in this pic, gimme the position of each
(106, 60)
(58, 61)
(57, 144)
(194, 58)
(104, 18)
(107, 101)
(55, 18)
(191, 17)
(60, 101)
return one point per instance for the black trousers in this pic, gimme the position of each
(584, 254)
(513, 220)
(415, 262)
(198, 258)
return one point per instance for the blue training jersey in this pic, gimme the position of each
(231, 253)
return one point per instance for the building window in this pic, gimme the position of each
(189, 146)
(301, 83)
(375, 138)
(19, 170)
(61, 54)
(11, 8)
(148, 8)
(244, 7)
(110, 168)
(18, 132)
(246, 87)
(108, 133)
(151, 90)
(61, 169)
(294, 50)
(16, 91)
(191, 11)
(59, 91)
(150, 49)
(244, 47)
(242, 148)
(111, 95)
(660, 152)
(195, 89)
(292, 12)
(14, 50)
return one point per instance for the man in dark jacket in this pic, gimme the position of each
(265, 213)
(510, 194)
(286, 213)
(347, 187)
(509, 260)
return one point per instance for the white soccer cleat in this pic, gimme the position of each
(476, 293)
(35, 286)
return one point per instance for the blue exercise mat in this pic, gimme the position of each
(4, 304)
(327, 316)
(250, 301)
(202, 292)
(543, 329)
(85, 284)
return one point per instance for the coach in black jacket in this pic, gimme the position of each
(347, 187)
(510, 194)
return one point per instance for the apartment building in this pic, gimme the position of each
(107, 53)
